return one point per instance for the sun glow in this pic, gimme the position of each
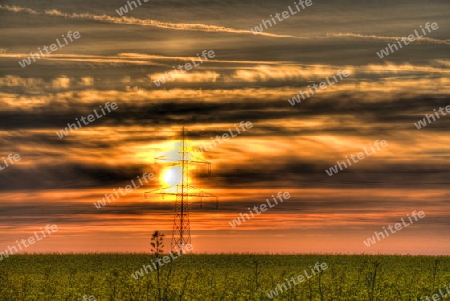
(172, 176)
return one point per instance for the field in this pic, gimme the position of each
(222, 277)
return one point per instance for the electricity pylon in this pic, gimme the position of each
(181, 232)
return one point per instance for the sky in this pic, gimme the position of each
(250, 78)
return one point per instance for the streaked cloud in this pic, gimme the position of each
(134, 21)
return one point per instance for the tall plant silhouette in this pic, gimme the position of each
(157, 248)
(157, 243)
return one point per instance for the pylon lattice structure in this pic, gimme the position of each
(181, 232)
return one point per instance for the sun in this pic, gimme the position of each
(172, 176)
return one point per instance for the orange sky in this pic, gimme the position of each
(250, 79)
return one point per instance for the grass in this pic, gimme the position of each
(221, 277)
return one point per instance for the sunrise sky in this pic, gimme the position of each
(251, 77)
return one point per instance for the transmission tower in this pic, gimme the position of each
(181, 232)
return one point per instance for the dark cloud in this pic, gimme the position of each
(68, 176)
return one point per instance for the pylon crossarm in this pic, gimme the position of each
(198, 162)
(191, 191)
(203, 194)
(199, 192)
(161, 158)
(194, 157)
(158, 191)
(169, 163)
